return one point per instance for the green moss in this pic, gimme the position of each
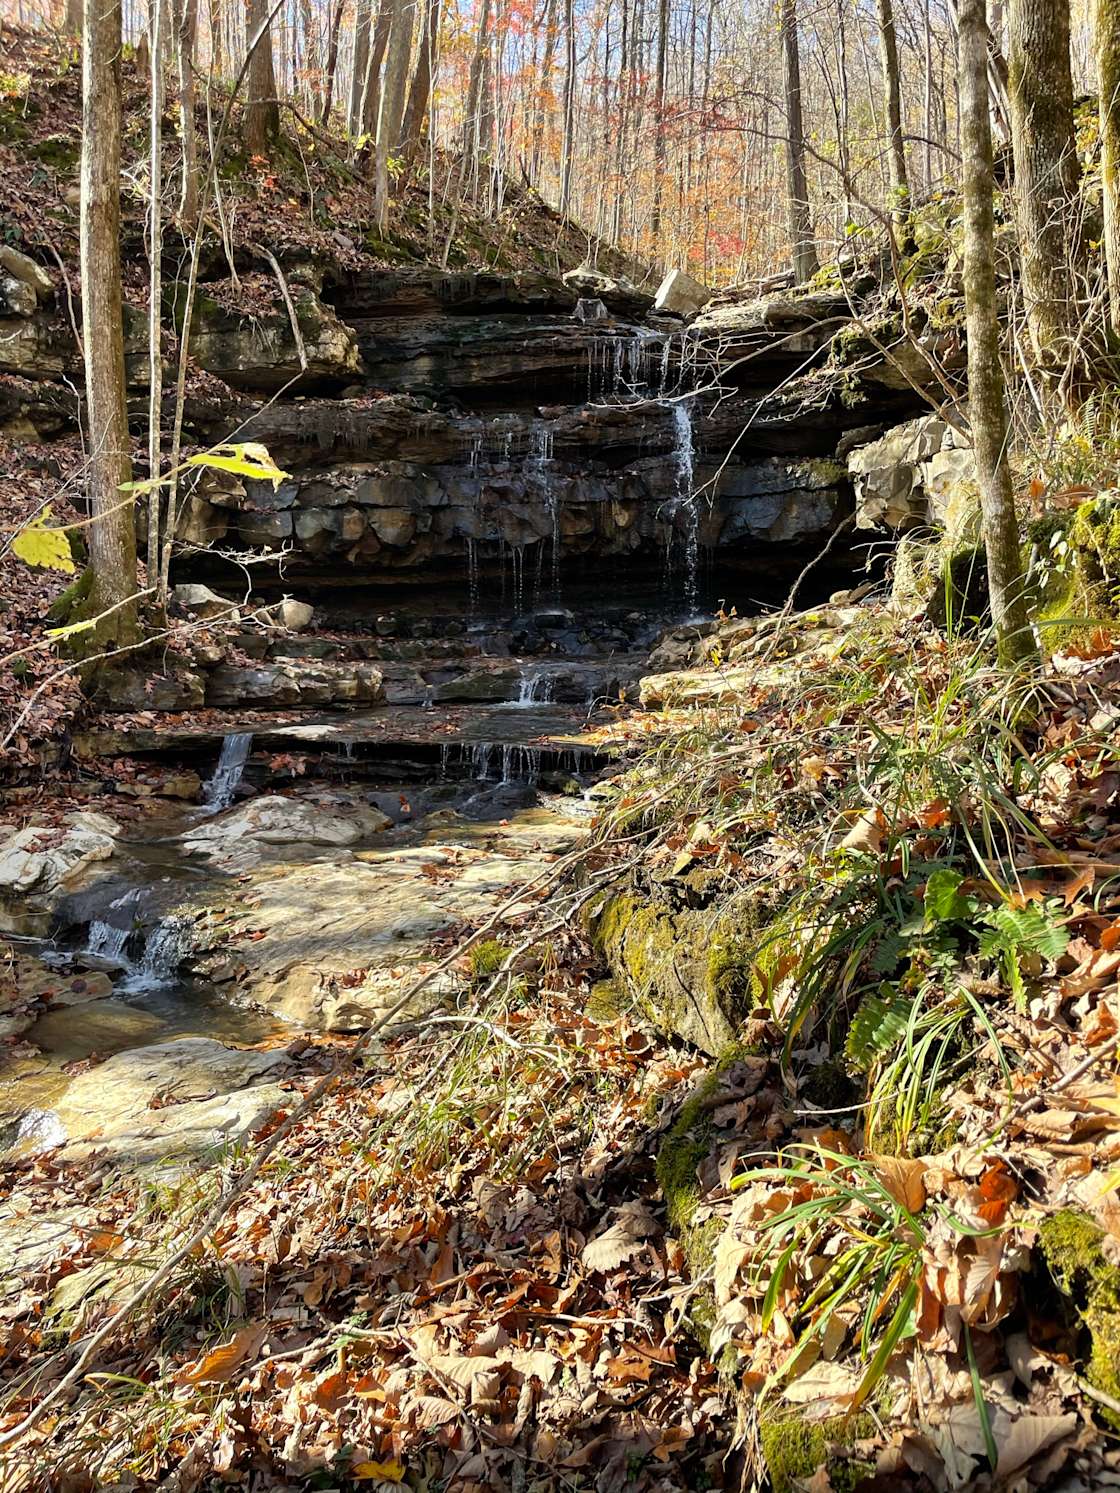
(606, 1002)
(487, 958)
(1071, 1247)
(794, 1448)
(66, 602)
(1095, 534)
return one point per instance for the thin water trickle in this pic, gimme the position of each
(219, 791)
(167, 946)
(537, 688)
(685, 504)
(540, 461)
(106, 941)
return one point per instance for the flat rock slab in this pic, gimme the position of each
(171, 1105)
(341, 939)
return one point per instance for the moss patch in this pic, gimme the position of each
(794, 1448)
(1071, 1247)
(487, 958)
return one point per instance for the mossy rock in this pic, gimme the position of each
(960, 598)
(689, 969)
(1071, 1247)
(794, 1448)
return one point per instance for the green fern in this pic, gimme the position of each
(878, 1027)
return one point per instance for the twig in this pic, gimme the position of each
(292, 317)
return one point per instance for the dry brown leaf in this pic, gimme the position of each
(221, 1363)
(867, 832)
(903, 1179)
(625, 1237)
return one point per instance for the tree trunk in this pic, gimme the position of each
(474, 86)
(262, 108)
(363, 22)
(420, 93)
(112, 534)
(543, 108)
(987, 411)
(1046, 172)
(800, 223)
(888, 47)
(72, 24)
(659, 128)
(568, 146)
(392, 104)
(1108, 70)
(332, 63)
(188, 32)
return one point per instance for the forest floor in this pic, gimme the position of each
(530, 1242)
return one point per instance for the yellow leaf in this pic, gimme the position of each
(46, 549)
(386, 1472)
(244, 459)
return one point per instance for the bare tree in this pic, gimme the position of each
(421, 90)
(188, 32)
(262, 107)
(332, 62)
(987, 410)
(803, 247)
(112, 533)
(888, 48)
(1108, 73)
(1046, 171)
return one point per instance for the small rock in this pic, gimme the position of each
(295, 615)
(17, 298)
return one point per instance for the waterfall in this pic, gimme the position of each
(218, 792)
(540, 460)
(107, 941)
(167, 945)
(535, 689)
(630, 367)
(685, 501)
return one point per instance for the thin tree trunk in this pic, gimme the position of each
(332, 63)
(659, 128)
(800, 222)
(568, 144)
(1046, 171)
(72, 24)
(987, 410)
(262, 108)
(155, 282)
(1108, 72)
(544, 91)
(188, 33)
(888, 47)
(112, 534)
(363, 21)
(415, 115)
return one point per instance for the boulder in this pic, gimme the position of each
(680, 295)
(171, 1104)
(23, 268)
(617, 293)
(906, 478)
(202, 602)
(39, 861)
(273, 820)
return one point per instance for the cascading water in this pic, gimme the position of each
(535, 689)
(540, 462)
(218, 792)
(685, 504)
(108, 938)
(167, 946)
(106, 941)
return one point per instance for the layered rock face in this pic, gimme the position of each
(440, 426)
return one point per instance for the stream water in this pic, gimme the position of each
(494, 780)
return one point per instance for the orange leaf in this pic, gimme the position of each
(220, 1364)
